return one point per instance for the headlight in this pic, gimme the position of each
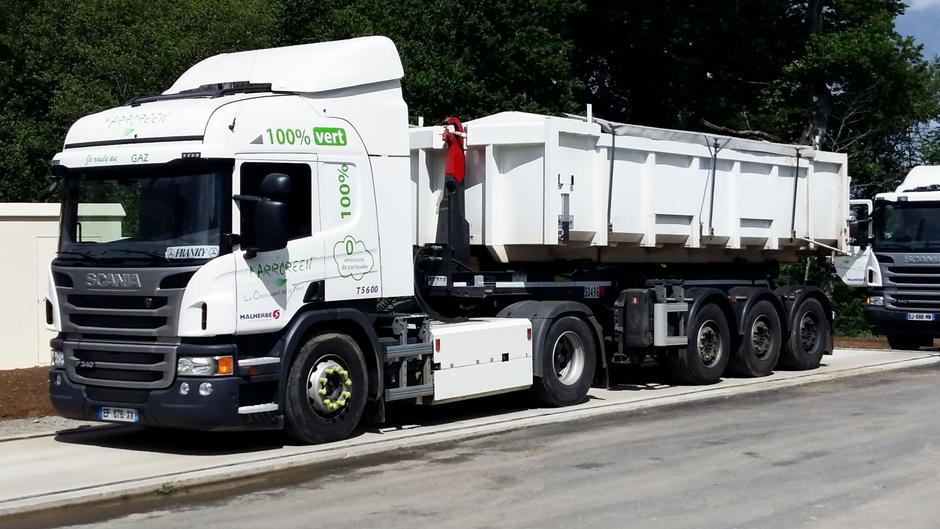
(205, 366)
(875, 300)
(58, 358)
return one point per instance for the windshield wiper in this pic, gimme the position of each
(152, 255)
(85, 255)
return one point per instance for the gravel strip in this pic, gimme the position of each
(21, 428)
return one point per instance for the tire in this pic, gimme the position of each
(568, 359)
(706, 357)
(912, 343)
(808, 339)
(760, 343)
(319, 412)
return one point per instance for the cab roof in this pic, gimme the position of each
(307, 68)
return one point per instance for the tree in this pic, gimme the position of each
(62, 60)
(467, 58)
(832, 73)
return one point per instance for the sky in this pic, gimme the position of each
(922, 21)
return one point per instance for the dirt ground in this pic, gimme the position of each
(24, 393)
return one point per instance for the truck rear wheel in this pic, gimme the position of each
(761, 343)
(809, 337)
(568, 360)
(704, 360)
(326, 389)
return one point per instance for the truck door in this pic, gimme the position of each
(859, 267)
(270, 286)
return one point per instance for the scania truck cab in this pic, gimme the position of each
(269, 244)
(898, 261)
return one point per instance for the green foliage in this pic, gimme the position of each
(832, 72)
(62, 60)
(849, 303)
(460, 58)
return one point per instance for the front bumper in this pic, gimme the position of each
(164, 408)
(889, 321)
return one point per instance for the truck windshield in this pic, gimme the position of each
(906, 226)
(161, 215)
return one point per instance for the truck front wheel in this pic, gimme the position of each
(326, 389)
(704, 360)
(568, 359)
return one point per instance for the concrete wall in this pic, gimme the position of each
(29, 239)
(28, 242)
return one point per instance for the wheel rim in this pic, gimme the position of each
(568, 356)
(761, 339)
(709, 343)
(329, 387)
(809, 332)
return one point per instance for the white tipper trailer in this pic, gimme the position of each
(269, 244)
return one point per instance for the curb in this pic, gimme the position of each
(418, 438)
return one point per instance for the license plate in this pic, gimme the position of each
(920, 316)
(118, 414)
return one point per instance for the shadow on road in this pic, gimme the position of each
(177, 442)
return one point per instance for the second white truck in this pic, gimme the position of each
(268, 244)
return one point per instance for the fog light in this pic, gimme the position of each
(58, 380)
(184, 388)
(205, 389)
(58, 358)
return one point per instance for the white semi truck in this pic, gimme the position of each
(292, 254)
(897, 259)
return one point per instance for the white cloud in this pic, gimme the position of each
(922, 5)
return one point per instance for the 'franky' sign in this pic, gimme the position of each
(192, 252)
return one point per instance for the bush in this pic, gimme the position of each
(849, 303)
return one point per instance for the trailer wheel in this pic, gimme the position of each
(761, 343)
(809, 336)
(326, 389)
(568, 360)
(913, 343)
(706, 357)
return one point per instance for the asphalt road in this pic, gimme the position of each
(857, 452)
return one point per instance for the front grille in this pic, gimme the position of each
(111, 338)
(124, 357)
(120, 365)
(120, 375)
(116, 302)
(109, 321)
(117, 336)
(913, 301)
(917, 276)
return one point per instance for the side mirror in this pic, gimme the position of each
(269, 215)
(271, 225)
(859, 222)
(858, 232)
